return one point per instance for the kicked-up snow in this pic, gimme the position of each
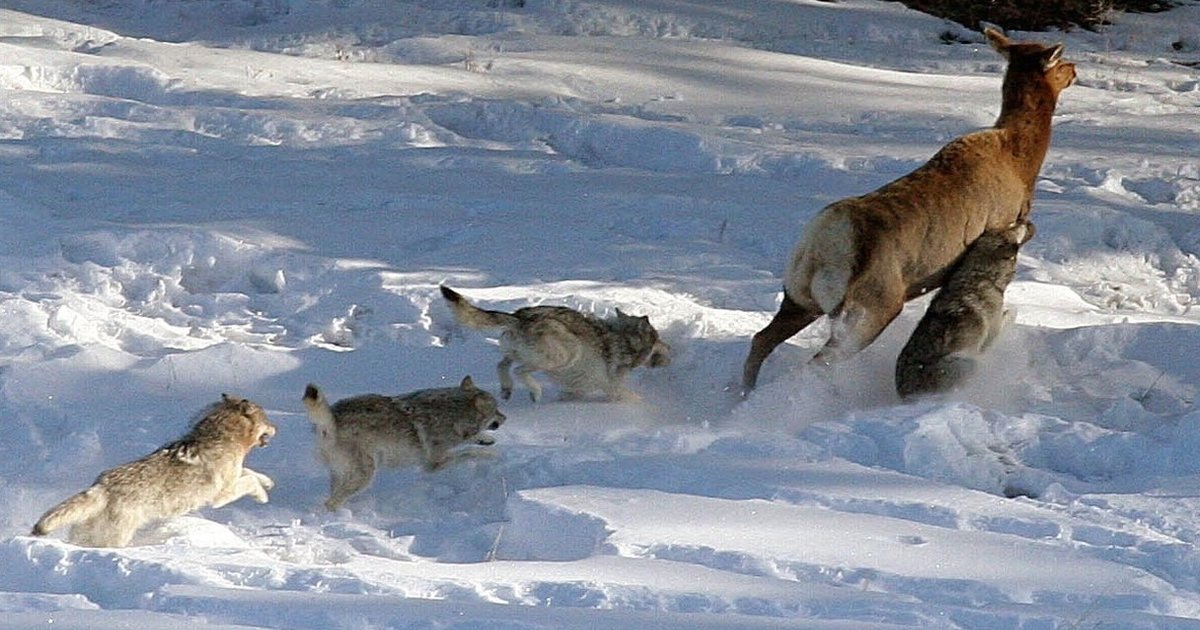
(250, 196)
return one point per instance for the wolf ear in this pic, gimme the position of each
(468, 384)
(998, 41)
(1029, 232)
(1051, 56)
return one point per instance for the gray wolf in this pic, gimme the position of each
(357, 434)
(862, 258)
(965, 316)
(582, 353)
(202, 468)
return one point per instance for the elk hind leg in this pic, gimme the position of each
(791, 318)
(858, 322)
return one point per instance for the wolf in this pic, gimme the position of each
(860, 259)
(204, 467)
(965, 316)
(582, 353)
(357, 434)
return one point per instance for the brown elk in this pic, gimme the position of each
(862, 258)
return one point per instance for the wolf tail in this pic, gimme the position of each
(472, 316)
(78, 508)
(318, 410)
(945, 374)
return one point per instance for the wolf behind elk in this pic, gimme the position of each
(860, 259)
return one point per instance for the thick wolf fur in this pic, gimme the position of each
(200, 469)
(964, 318)
(860, 259)
(358, 434)
(582, 353)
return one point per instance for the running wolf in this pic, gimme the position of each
(582, 353)
(964, 318)
(357, 434)
(202, 468)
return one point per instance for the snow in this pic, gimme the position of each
(248, 196)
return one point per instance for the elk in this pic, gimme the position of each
(860, 259)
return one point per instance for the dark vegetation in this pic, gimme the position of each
(1035, 15)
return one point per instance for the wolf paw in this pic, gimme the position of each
(625, 396)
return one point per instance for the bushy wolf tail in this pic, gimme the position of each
(943, 375)
(78, 508)
(472, 316)
(318, 410)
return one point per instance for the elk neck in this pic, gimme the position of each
(1025, 115)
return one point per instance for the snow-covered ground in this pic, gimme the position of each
(246, 196)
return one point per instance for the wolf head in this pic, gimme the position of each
(484, 411)
(647, 348)
(230, 420)
(246, 420)
(1020, 232)
(1002, 243)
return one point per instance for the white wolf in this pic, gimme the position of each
(202, 468)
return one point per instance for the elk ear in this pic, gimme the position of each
(997, 39)
(1051, 56)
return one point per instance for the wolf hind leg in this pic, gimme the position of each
(112, 528)
(506, 382)
(349, 481)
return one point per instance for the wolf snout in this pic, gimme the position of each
(497, 420)
(660, 355)
(265, 437)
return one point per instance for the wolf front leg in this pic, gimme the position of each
(242, 486)
(267, 482)
(525, 373)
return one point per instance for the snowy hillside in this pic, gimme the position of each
(247, 196)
